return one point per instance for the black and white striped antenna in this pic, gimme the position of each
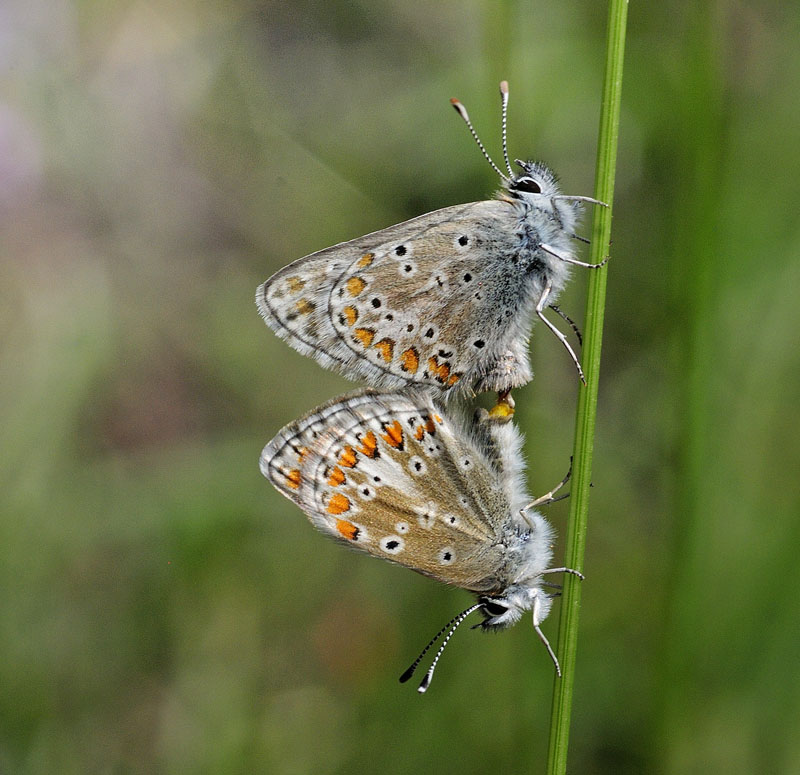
(452, 625)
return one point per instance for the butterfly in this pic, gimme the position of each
(443, 301)
(404, 478)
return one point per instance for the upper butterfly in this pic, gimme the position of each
(444, 300)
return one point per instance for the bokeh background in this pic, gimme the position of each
(162, 608)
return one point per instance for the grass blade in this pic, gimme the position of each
(587, 398)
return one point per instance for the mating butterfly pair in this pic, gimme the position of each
(436, 306)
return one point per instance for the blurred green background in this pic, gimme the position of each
(163, 608)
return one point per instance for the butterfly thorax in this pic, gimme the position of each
(530, 548)
(522, 550)
(542, 220)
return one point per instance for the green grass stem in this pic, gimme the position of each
(587, 397)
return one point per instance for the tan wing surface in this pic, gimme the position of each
(420, 302)
(394, 476)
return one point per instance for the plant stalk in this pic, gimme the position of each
(586, 413)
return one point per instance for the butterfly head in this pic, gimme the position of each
(505, 610)
(499, 612)
(536, 181)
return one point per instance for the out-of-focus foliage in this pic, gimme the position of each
(163, 609)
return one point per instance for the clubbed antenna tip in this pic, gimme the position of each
(452, 626)
(504, 124)
(462, 111)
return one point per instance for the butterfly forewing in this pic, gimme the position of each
(296, 302)
(396, 477)
(421, 302)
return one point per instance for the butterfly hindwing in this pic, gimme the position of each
(396, 476)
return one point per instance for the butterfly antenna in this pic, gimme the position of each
(415, 664)
(536, 621)
(462, 111)
(455, 620)
(451, 626)
(426, 681)
(504, 99)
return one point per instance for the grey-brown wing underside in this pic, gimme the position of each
(428, 301)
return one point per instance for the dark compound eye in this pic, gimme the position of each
(528, 185)
(494, 609)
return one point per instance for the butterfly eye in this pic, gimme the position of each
(494, 609)
(529, 185)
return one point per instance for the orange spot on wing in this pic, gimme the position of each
(393, 435)
(453, 379)
(365, 260)
(356, 285)
(369, 444)
(386, 349)
(419, 432)
(364, 335)
(438, 419)
(347, 529)
(348, 458)
(295, 284)
(293, 479)
(301, 453)
(429, 426)
(409, 360)
(305, 307)
(336, 477)
(338, 504)
(440, 371)
(350, 315)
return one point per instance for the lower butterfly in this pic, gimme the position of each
(404, 478)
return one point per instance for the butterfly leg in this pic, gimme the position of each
(565, 570)
(561, 338)
(580, 239)
(569, 260)
(548, 498)
(563, 315)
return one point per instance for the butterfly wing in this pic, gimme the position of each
(438, 301)
(398, 477)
